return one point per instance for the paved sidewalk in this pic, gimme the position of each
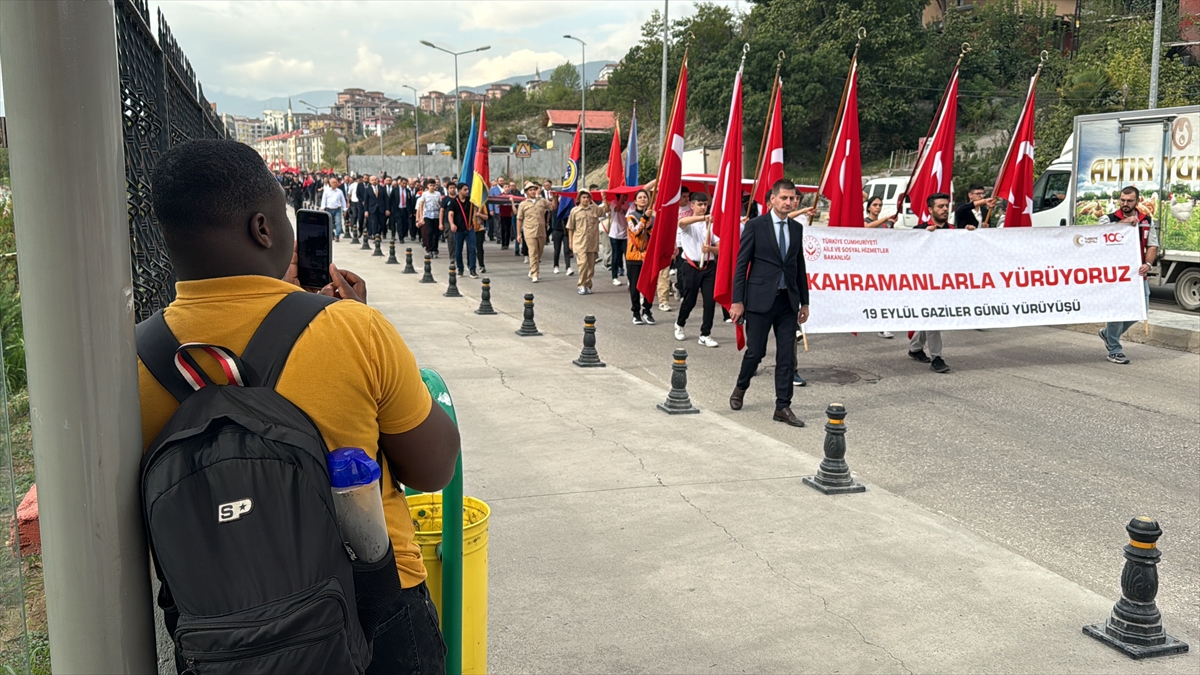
(626, 540)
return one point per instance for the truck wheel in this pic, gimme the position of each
(1187, 289)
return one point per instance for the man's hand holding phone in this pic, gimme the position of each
(346, 285)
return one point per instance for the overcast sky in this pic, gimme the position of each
(276, 48)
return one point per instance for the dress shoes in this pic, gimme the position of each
(735, 399)
(788, 417)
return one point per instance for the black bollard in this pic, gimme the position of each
(378, 251)
(1135, 625)
(589, 357)
(678, 402)
(428, 278)
(833, 476)
(366, 242)
(392, 254)
(528, 327)
(408, 266)
(353, 235)
(452, 287)
(485, 298)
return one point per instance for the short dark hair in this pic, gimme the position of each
(1130, 189)
(463, 185)
(974, 187)
(782, 184)
(203, 185)
(936, 196)
(699, 197)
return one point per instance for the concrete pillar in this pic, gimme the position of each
(62, 91)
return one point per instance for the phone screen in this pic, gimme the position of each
(313, 247)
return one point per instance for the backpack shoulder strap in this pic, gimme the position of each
(156, 347)
(268, 350)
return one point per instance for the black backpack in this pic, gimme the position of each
(240, 515)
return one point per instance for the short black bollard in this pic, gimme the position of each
(589, 357)
(428, 277)
(366, 242)
(378, 252)
(452, 287)
(528, 327)
(1135, 625)
(392, 254)
(678, 402)
(408, 266)
(833, 476)
(485, 298)
(353, 235)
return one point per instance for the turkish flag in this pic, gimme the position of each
(666, 197)
(616, 168)
(1015, 184)
(727, 204)
(935, 165)
(771, 168)
(841, 182)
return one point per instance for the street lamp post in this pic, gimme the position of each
(379, 127)
(457, 93)
(416, 129)
(582, 105)
(317, 110)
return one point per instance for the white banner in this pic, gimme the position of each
(865, 280)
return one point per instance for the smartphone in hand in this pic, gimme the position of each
(314, 248)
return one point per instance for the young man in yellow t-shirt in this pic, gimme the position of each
(227, 232)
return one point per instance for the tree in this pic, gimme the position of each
(567, 76)
(334, 148)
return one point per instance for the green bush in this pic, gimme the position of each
(11, 333)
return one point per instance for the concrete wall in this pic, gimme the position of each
(543, 164)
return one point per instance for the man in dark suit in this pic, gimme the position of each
(375, 205)
(402, 208)
(363, 185)
(391, 214)
(770, 291)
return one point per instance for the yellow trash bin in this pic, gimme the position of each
(426, 510)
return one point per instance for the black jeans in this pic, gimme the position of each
(430, 235)
(695, 282)
(634, 270)
(561, 241)
(479, 249)
(506, 230)
(618, 255)
(410, 641)
(781, 318)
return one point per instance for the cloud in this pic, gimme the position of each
(516, 63)
(515, 16)
(270, 67)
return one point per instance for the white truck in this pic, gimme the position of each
(1156, 151)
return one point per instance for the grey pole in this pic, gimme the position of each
(457, 93)
(416, 128)
(582, 109)
(1156, 53)
(62, 88)
(662, 109)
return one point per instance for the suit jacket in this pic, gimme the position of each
(362, 191)
(760, 265)
(372, 203)
(393, 199)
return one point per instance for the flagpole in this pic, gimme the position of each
(966, 47)
(662, 141)
(762, 147)
(708, 221)
(862, 33)
(1045, 56)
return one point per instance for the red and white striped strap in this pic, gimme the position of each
(191, 372)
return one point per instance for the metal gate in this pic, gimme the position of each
(162, 106)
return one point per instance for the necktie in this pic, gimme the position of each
(403, 197)
(782, 251)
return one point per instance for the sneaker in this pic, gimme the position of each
(729, 320)
(482, 269)
(1102, 335)
(570, 272)
(938, 365)
(616, 282)
(556, 269)
(706, 341)
(527, 259)
(679, 333)
(637, 320)
(886, 335)
(587, 291)
(473, 275)
(664, 306)
(648, 317)
(534, 279)
(582, 291)
(1119, 357)
(919, 355)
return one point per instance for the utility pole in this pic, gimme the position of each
(62, 89)
(416, 129)
(662, 109)
(457, 91)
(1156, 53)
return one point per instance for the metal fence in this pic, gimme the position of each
(162, 106)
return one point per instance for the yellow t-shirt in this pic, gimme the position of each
(350, 371)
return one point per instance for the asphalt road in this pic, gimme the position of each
(1033, 440)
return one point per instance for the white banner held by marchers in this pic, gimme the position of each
(865, 280)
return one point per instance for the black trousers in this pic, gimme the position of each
(618, 256)
(696, 282)
(633, 271)
(561, 241)
(430, 235)
(479, 237)
(376, 223)
(409, 641)
(506, 230)
(781, 318)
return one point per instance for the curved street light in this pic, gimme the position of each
(416, 129)
(582, 106)
(457, 93)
